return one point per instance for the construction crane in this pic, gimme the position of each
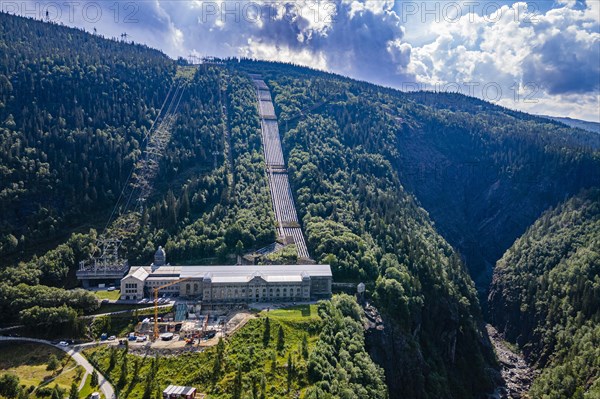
(156, 289)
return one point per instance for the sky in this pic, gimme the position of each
(541, 57)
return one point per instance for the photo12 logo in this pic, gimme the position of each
(493, 92)
(74, 11)
(453, 11)
(259, 12)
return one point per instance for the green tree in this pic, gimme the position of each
(280, 339)
(290, 372)
(136, 369)
(239, 248)
(74, 392)
(9, 386)
(305, 346)
(123, 376)
(237, 384)
(53, 363)
(267, 332)
(57, 393)
(23, 394)
(218, 362)
(148, 386)
(273, 362)
(254, 383)
(94, 379)
(112, 360)
(263, 387)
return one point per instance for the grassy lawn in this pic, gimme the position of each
(300, 312)
(105, 294)
(245, 349)
(28, 361)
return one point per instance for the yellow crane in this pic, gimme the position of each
(156, 289)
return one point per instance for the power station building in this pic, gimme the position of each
(229, 284)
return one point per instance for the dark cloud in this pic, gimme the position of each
(564, 65)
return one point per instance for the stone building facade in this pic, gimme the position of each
(229, 284)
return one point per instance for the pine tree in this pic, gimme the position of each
(136, 370)
(280, 339)
(123, 377)
(267, 332)
(218, 363)
(56, 393)
(94, 381)
(237, 384)
(263, 387)
(112, 361)
(290, 372)
(74, 392)
(305, 346)
(254, 388)
(273, 362)
(148, 384)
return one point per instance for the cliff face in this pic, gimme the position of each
(484, 185)
(410, 369)
(545, 296)
(401, 361)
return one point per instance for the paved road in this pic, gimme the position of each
(105, 386)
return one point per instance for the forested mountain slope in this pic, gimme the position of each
(351, 148)
(202, 206)
(205, 207)
(359, 219)
(73, 110)
(593, 127)
(483, 173)
(546, 297)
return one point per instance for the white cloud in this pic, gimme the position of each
(556, 49)
(552, 58)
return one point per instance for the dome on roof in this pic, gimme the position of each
(160, 257)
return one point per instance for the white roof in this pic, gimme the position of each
(139, 274)
(232, 274)
(249, 271)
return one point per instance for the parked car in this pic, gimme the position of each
(63, 343)
(141, 338)
(112, 338)
(111, 288)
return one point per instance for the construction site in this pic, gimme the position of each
(183, 331)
